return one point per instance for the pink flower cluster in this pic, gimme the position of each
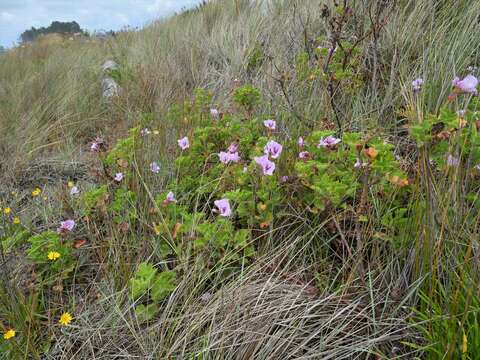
(273, 149)
(270, 124)
(97, 145)
(328, 142)
(170, 198)
(301, 142)
(215, 113)
(223, 207)
(184, 143)
(231, 155)
(468, 84)
(268, 166)
(66, 226)
(304, 155)
(154, 167)
(417, 84)
(227, 157)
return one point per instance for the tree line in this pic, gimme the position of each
(58, 27)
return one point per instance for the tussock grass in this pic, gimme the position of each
(268, 312)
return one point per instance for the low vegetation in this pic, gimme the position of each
(292, 179)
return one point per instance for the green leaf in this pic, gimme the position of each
(15, 240)
(146, 312)
(91, 198)
(421, 132)
(146, 271)
(163, 285)
(142, 280)
(352, 139)
(241, 238)
(448, 117)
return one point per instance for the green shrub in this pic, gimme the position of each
(153, 287)
(247, 96)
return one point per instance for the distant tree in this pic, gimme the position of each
(2, 49)
(29, 35)
(55, 27)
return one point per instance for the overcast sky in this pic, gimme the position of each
(19, 15)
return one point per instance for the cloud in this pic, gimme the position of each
(18, 15)
(6, 16)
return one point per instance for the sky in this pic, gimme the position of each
(17, 16)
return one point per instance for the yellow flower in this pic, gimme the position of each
(16, 220)
(10, 333)
(157, 229)
(70, 184)
(45, 198)
(156, 132)
(53, 255)
(36, 192)
(7, 211)
(65, 319)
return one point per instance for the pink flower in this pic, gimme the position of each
(329, 141)
(304, 155)
(118, 177)
(233, 148)
(360, 164)
(154, 167)
(215, 113)
(184, 143)
(273, 149)
(417, 84)
(468, 84)
(284, 179)
(452, 161)
(268, 166)
(170, 198)
(98, 144)
(145, 132)
(331, 50)
(66, 226)
(234, 157)
(301, 142)
(226, 157)
(270, 124)
(223, 207)
(74, 191)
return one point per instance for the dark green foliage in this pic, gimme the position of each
(56, 27)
